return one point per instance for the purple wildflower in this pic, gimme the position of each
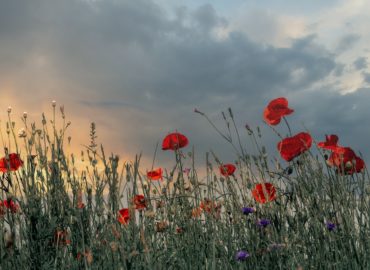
(241, 255)
(262, 223)
(330, 226)
(248, 210)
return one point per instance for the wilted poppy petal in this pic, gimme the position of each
(139, 201)
(155, 174)
(174, 141)
(275, 110)
(14, 162)
(292, 147)
(227, 169)
(264, 193)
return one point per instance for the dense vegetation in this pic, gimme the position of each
(309, 211)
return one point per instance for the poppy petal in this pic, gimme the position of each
(227, 169)
(275, 110)
(11, 164)
(155, 174)
(292, 147)
(264, 193)
(331, 142)
(123, 216)
(174, 141)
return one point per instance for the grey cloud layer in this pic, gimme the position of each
(135, 64)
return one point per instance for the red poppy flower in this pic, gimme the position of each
(227, 169)
(139, 201)
(13, 163)
(11, 205)
(174, 141)
(264, 193)
(275, 110)
(346, 161)
(155, 174)
(292, 147)
(331, 142)
(123, 216)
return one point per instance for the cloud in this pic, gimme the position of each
(360, 63)
(347, 42)
(366, 76)
(139, 72)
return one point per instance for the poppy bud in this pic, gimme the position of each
(289, 170)
(24, 115)
(9, 109)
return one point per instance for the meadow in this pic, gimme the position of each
(308, 208)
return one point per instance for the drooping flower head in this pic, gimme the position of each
(264, 192)
(11, 164)
(275, 110)
(241, 255)
(292, 147)
(331, 142)
(174, 141)
(155, 174)
(123, 216)
(346, 161)
(139, 202)
(227, 169)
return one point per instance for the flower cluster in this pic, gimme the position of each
(342, 158)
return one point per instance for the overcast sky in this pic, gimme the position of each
(138, 68)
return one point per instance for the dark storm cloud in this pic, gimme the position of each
(140, 72)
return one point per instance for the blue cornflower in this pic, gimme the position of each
(241, 255)
(330, 226)
(248, 210)
(262, 223)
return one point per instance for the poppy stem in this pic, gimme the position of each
(287, 124)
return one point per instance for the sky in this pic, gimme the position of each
(138, 69)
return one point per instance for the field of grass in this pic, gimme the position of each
(257, 212)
